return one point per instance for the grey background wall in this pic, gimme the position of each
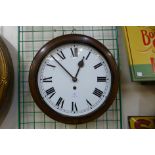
(137, 99)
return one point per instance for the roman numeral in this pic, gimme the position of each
(101, 79)
(61, 55)
(50, 65)
(60, 103)
(97, 92)
(74, 107)
(74, 52)
(49, 79)
(98, 65)
(50, 91)
(89, 103)
(88, 55)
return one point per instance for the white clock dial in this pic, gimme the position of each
(74, 79)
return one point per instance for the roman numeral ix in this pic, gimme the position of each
(50, 91)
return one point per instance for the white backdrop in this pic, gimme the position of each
(137, 99)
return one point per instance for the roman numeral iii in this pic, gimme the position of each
(98, 92)
(50, 91)
(101, 79)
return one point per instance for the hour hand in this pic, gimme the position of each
(80, 65)
(74, 79)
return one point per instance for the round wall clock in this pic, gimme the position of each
(6, 78)
(73, 78)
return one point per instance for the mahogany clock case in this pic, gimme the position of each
(6, 79)
(48, 47)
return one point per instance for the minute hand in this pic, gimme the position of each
(74, 79)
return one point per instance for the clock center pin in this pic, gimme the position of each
(74, 87)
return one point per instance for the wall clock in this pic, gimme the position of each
(73, 78)
(6, 78)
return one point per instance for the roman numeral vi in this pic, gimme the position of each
(74, 107)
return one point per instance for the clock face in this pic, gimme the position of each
(73, 78)
(74, 97)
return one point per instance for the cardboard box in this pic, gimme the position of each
(141, 122)
(140, 43)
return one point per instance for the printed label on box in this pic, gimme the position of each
(140, 41)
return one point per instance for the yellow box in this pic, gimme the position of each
(140, 43)
(141, 122)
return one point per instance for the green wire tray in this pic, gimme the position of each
(30, 40)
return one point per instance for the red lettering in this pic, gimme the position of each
(154, 43)
(145, 37)
(142, 124)
(151, 34)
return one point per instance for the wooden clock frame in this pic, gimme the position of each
(43, 52)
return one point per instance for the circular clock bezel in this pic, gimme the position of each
(51, 45)
(6, 79)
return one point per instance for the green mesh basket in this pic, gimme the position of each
(30, 40)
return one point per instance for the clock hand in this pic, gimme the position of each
(80, 64)
(74, 79)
